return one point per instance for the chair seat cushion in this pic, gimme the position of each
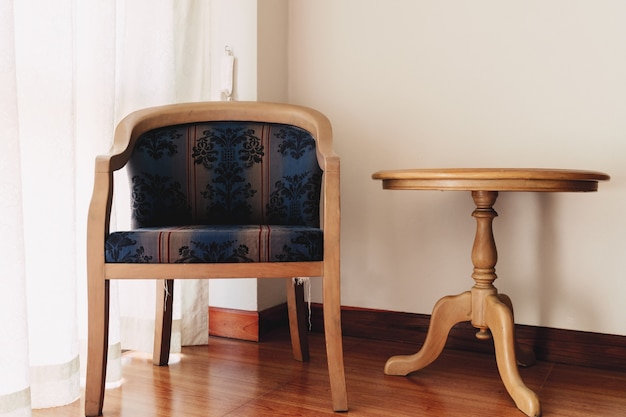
(215, 244)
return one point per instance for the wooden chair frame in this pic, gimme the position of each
(100, 273)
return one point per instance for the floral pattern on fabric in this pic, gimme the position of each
(214, 253)
(158, 200)
(305, 246)
(293, 201)
(295, 143)
(121, 248)
(159, 143)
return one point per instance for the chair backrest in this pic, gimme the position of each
(225, 172)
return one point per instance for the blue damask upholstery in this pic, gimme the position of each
(222, 192)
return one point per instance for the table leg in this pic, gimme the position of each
(448, 311)
(499, 319)
(525, 356)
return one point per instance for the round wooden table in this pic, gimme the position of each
(487, 310)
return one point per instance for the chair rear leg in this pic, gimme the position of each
(298, 320)
(163, 322)
(98, 344)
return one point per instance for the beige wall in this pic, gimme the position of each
(473, 83)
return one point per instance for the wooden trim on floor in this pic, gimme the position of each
(245, 324)
(595, 350)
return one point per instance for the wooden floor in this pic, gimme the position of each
(234, 378)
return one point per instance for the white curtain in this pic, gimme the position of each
(69, 70)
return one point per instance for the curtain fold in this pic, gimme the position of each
(69, 71)
(14, 391)
(45, 109)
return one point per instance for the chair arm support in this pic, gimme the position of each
(99, 215)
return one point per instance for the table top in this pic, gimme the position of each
(491, 179)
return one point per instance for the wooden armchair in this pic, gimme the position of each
(219, 190)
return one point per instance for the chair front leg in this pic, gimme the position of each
(334, 342)
(97, 344)
(163, 321)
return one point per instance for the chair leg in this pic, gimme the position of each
(163, 322)
(334, 343)
(98, 344)
(298, 323)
